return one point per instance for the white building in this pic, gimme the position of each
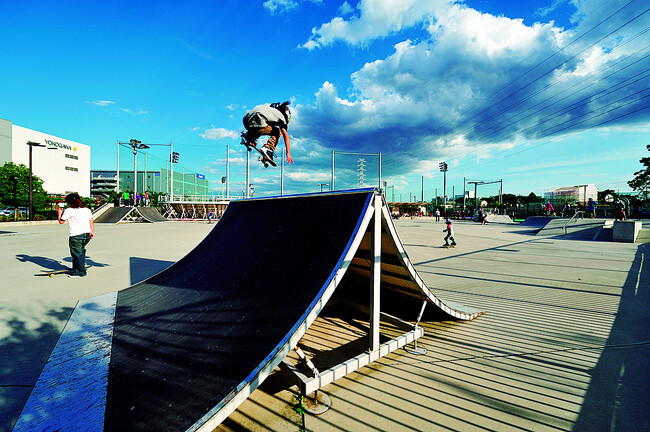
(63, 165)
(571, 194)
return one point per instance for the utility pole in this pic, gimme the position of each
(422, 198)
(464, 194)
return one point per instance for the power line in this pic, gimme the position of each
(414, 149)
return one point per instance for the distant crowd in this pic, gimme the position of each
(130, 198)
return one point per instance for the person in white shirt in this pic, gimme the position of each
(82, 228)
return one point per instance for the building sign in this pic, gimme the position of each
(200, 176)
(57, 144)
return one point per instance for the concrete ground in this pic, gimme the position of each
(563, 345)
(34, 309)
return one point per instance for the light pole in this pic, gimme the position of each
(32, 144)
(322, 185)
(135, 145)
(443, 167)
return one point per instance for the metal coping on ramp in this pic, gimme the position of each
(191, 343)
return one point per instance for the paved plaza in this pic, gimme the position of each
(563, 345)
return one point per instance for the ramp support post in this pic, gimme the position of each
(375, 275)
(418, 350)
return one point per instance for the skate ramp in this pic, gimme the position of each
(115, 215)
(150, 214)
(574, 229)
(503, 219)
(189, 344)
(536, 221)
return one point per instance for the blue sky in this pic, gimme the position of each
(540, 94)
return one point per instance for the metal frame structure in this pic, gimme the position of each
(482, 182)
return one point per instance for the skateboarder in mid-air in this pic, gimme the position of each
(270, 120)
(450, 235)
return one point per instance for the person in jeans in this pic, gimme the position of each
(270, 120)
(82, 227)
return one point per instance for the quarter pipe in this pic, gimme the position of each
(182, 349)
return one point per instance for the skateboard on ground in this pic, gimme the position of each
(58, 272)
(263, 158)
(448, 246)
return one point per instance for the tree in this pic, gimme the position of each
(641, 181)
(14, 187)
(604, 193)
(532, 198)
(509, 199)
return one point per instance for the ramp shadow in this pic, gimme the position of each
(617, 397)
(142, 268)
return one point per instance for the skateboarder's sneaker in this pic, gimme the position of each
(268, 152)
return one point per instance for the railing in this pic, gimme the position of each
(194, 198)
(579, 212)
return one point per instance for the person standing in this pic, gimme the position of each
(82, 228)
(437, 215)
(591, 208)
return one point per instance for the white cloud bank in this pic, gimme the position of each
(475, 79)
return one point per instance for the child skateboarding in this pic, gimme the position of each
(268, 120)
(450, 235)
(82, 228)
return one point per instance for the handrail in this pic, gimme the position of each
(571, 219)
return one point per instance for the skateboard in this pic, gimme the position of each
(263, 158)
(448, 246)
(57, 272)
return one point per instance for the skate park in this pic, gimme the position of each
(562, 344)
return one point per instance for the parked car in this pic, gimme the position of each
(10, 211)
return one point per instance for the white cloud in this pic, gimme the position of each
(345, 9)
(309, 176)
(103, 103)
(281, 6)
(474, 84)
(376, 19)
(219, 133)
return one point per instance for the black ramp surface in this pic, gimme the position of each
(187, 337)
(151, 214)
(114, 215)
